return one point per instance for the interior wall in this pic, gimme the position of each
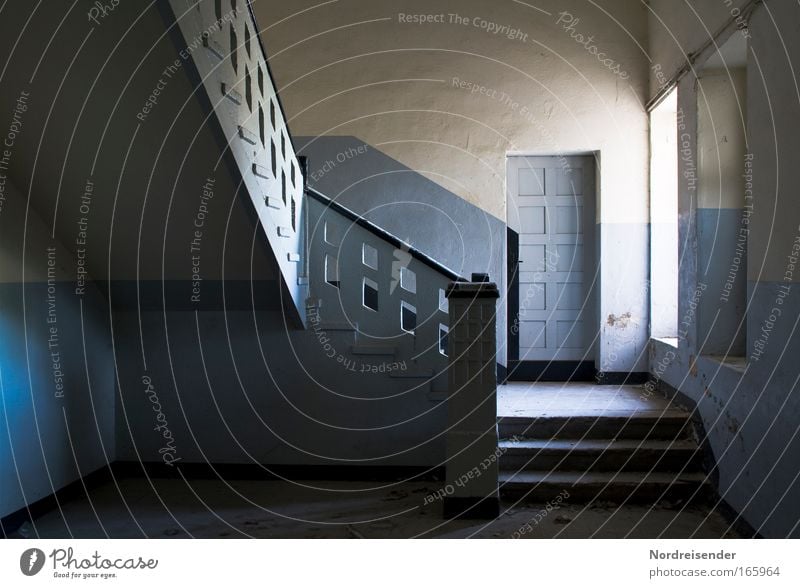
(139, 203)
(199, 362)
(674, 34)
(57, 384)
(722, 227)
(748, 405)
(446, 97)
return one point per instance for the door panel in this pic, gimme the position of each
(551, 222)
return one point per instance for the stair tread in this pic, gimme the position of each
(525, 444)
(422, 373)
(373, 349)
(531, 477)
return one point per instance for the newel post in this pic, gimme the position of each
(471, 471)
(302, 161)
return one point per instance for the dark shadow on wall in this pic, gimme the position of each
(419, 211)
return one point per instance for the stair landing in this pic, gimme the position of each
(537, 399)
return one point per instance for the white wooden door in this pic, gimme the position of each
(551, 209)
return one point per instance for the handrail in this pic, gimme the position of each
(383, 234)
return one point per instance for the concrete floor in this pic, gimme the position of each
(137, 507)
(279, 509)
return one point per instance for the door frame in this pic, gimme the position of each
(554, 371)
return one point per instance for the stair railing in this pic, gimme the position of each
(341, 271)
(393, 296)
(222, 41)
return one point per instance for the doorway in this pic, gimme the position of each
(551, 267)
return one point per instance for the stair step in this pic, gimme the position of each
(373, 350)
(669, 424)
(424, 374)
(599, 455)
(582, 487)
(348, 327)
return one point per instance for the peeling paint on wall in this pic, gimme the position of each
(621, 322)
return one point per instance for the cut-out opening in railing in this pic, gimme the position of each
(369, 297)
(408, 280)
(332, 270)
(233, 50)
(331, 234)
(261, 134)
(443, 332)
(408, 317)
(248, 90)
(369, 256)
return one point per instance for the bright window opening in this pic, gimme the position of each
(664, 219)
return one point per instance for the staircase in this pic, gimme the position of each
(365, 313)
(640, 457)
(350, 282)
(373, 317)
